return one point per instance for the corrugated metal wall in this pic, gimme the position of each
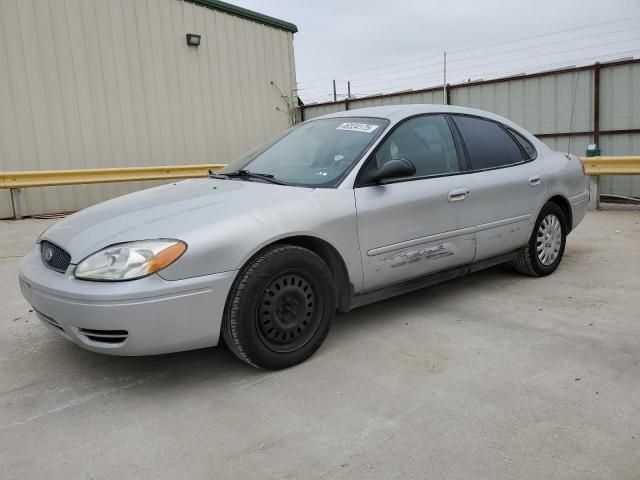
(96, 83)
(542, 105)
(620, 110)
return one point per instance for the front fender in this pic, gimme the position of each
(220, 246)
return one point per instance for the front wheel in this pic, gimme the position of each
(280, 308)
(545, 248)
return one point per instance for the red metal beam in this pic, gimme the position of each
(626, 131)
(596, 104)
(563, 134)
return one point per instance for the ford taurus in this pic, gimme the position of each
(337, 212)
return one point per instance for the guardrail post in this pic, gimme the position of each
(594, 194)
(15, 203)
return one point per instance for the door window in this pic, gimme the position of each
(426, 142)
(489, 145)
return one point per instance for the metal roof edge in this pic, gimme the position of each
(248, 14)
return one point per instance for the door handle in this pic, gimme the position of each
(458, 194)
(535, 180)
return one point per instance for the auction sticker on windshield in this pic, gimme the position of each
(357, 127)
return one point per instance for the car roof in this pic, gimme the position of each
(395, 113)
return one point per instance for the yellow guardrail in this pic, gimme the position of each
(593, 166)
(51, 178)
(596, 166)
(611, 165)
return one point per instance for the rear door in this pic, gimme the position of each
(505, 182)
(414, 226)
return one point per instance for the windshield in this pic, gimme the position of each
(317, 153)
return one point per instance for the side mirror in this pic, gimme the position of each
(395, 169)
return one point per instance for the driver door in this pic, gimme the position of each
(413, 226)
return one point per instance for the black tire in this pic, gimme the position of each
(280, 308)
(528, 261)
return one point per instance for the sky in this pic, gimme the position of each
(385, 46)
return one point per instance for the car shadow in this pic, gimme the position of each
(218, 365)
(424, 298)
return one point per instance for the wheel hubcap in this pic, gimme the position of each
(549, 239)
(288, 315)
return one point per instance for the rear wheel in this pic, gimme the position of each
(280, 308)
(543, 253)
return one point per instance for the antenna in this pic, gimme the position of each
(444, 78)
(573, 106)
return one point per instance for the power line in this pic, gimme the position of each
(537, 68)
(491, 54)
(338, 76)
(497, 62)
(322, 88)
(544, 67)
(519, 50)
(585, 61)
(549, 34)
(494, 74)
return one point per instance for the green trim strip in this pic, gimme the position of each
(248, 14)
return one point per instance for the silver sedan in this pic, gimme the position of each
(335, 213)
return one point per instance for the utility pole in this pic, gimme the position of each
(335, 97)
(444, 81)
(349, 89)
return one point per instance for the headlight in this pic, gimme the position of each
(128, 261)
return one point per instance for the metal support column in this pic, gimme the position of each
(594, 194)
(15, 203)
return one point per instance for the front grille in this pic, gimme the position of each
(54, 257)
(105, 336)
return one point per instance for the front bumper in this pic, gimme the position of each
(139, 317)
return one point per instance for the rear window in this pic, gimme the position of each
(489, 145)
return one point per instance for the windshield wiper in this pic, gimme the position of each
(220, 176)
(247, 174)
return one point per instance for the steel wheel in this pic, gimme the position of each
(280, 307)
(549, 239)
(289, 312)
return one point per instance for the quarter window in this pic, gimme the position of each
(426, 142)
(489, 145)
(525, 144)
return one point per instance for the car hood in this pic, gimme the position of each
(168, 211)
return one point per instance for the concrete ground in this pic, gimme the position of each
(493, 376)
